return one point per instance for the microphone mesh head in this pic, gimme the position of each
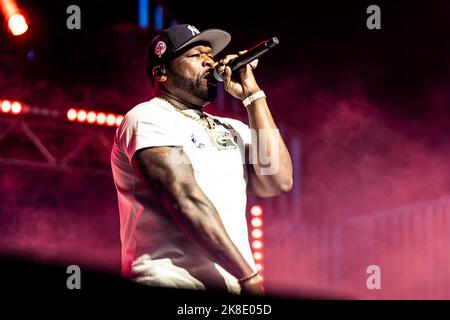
(218, 75)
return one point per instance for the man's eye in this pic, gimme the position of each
(195, 55)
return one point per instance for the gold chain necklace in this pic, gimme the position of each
(220, 139)
(204, 119)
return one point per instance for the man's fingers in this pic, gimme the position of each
(254, 63)
(221, 68)
(227, 59)
(227, 77)
(227, 74)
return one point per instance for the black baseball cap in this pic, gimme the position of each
(170, 43)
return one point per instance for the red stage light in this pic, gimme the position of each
(91, 117)
(6, 106)
(71, 114)
(257, 255)
(256, 222)
(256, 211)
(111, 120)
(17, 24)
(16, 107)
(119, 120)
(256, 244)
(259, 267)
(81, 116)
(257, 233)
(101, 118)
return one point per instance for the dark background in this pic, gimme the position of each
(325, 41)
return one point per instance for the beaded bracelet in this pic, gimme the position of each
(250, 99)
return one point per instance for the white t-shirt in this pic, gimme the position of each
(154, 250)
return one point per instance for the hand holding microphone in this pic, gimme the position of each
(249, 56)
(246, 85)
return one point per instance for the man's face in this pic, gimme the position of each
(192, 72)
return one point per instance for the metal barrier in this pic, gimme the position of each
(410, 244)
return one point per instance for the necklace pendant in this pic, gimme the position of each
(222, 140)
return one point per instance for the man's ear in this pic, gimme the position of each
(159, 72)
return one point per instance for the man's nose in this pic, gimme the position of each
(208, 62)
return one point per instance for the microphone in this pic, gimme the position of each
(252, 54)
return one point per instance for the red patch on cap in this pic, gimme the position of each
(160, 48)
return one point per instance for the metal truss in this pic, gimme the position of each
(55, 144)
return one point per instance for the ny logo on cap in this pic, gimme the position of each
(193, 29)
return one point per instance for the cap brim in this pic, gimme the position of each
(218, 40)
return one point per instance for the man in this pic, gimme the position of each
(179, 172)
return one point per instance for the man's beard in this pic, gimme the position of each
(195, 86)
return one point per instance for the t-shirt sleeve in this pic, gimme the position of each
(153, 129)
